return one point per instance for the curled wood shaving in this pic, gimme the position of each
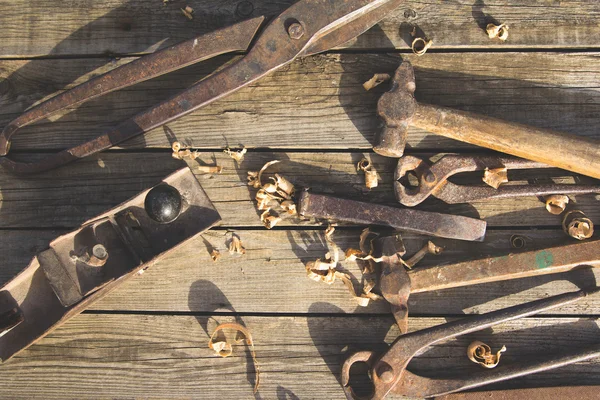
(497, 31)
(495, 177)
(325, 271)
(224, 348)
(215, 255)
(480, 353)
(577, 225)
(268, 220)
(556, 203)
(236, 155)
(236, 246)
(188, 11)
(181, 153)
(421, 45)
(289, 206)
(376, 80)
(255, 178)
(283, 186)
(370, 173)
(210, 169)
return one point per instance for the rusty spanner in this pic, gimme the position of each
(390, 373)
(307, 27)
(433, 180)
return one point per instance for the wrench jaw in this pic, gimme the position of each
(428, 182)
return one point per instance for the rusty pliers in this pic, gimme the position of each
(432, 180)
(390, 373)
(307, 27)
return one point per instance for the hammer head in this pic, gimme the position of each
(394, 282)
(397, 108)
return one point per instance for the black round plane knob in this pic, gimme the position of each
(163, 204)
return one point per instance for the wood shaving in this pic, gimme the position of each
(289, 206)
(236, 246)
(497, 31)
(480, 353)
(421, 45)
(556, 203)
(277, 193)
(495, 177)
(215, 255)
(577, 225)
(188, 11)
(181, 153)
(268, 220)
(224, 348)
(376, 80)
(371, 180)
(237, 155)
(325, 271)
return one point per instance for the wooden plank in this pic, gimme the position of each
(37, 28)
(315, 103)
(141, 356)
(69, 196)
(271, 276)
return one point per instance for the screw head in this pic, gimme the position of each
(296, 30)
(163, 204)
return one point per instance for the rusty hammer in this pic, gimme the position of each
(399, 109)
(396, 283)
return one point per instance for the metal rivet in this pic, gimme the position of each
(296, 31)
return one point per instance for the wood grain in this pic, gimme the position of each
(100, 356)
(38, 28)
(271, 276)
(69, 196)
(314, 103)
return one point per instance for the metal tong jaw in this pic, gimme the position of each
(433, 180)
(389, 372)
(307, 27)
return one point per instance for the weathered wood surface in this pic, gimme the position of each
(314, 103)
(142, 356)
(69, 196)
(40, 28)
(149, 338)
(271, 276)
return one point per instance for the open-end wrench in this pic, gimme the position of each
(433, 180)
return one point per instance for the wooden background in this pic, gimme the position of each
(149, 338)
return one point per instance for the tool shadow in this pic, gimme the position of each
(222, 313)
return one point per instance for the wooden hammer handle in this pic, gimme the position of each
(570, 152)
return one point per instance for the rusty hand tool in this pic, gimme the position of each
(308, 27)
(83, 266)
(397, 283)
(399, 109)
(415, 221)
(433, 180)
(390, 373)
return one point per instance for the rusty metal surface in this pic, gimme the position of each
(426, 223)
(75, 272)
(398, 108)
(389, 372)
(305, 28)
(552, 260)
(433, 180)
(396, 283)
(545, 393)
